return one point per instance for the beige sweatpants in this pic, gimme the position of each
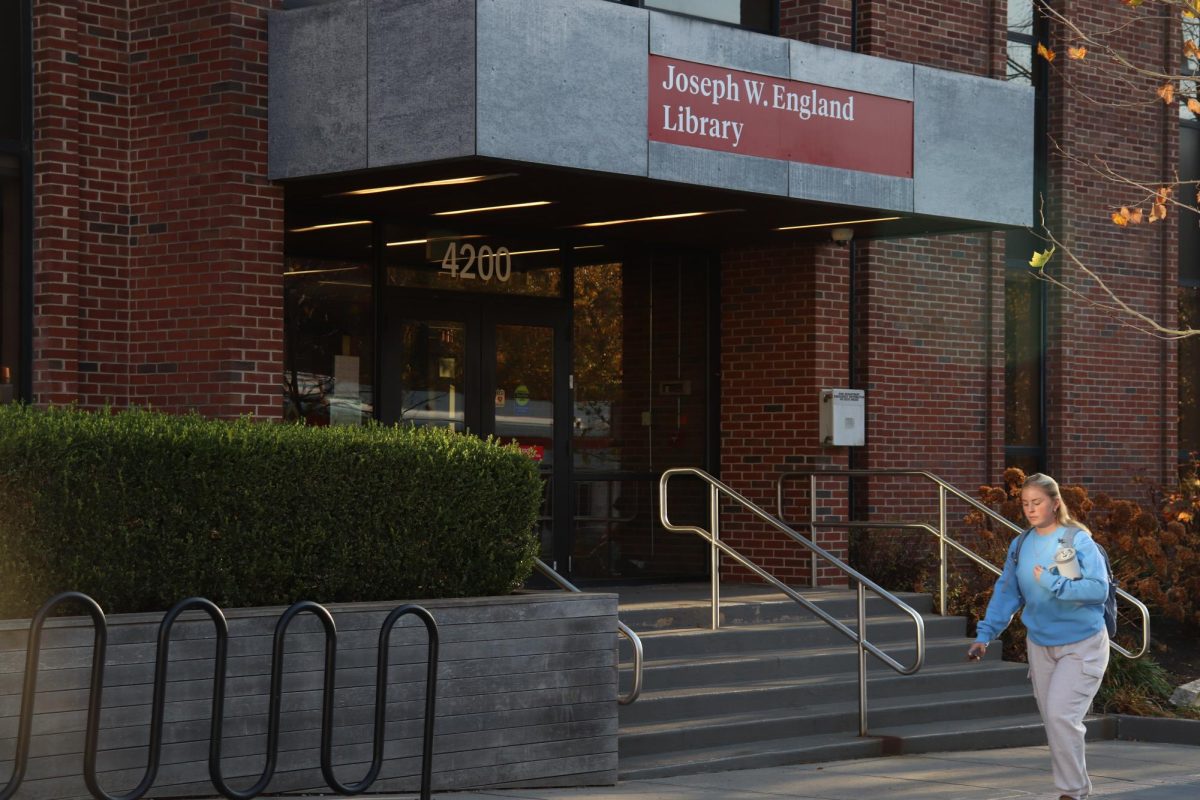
(1065, 679)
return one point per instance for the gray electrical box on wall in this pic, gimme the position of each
(843, 417)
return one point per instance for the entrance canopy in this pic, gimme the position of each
(577, 112)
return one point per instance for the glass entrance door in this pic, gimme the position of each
(487, 371)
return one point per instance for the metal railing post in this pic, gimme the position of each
(714, 527)
(812, 516)
(942, 550)
(862, 660)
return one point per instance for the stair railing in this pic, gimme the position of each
(622, 629)
(941, 531)
(717, 490)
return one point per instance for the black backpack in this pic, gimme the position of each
(1110, 602)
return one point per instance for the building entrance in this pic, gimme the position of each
(490, 369)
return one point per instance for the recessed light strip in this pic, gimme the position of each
(657, 218)
(426, 184)
(319, 271)
(836, 224)
(328, 225)
(491, 208)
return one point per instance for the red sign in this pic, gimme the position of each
(759, 115)
(535, 451)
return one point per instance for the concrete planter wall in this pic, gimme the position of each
(526, 697)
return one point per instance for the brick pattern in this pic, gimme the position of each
(158, 241)
(783, 338)
(1112, 397)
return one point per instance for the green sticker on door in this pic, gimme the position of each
(521, 398)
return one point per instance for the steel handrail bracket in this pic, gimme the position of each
(622, 629)
(941, 532)
(96, 689)
(712, 536)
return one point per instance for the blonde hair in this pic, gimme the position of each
(1062, 514)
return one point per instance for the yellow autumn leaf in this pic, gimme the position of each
(1158, 211)
(1190, 50)
(1193, 106)
(1039, 259)
(1044, 52)
(1077, 53)
(1167, 92)
(1136, 216)
(1121, 217)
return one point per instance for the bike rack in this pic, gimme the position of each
(96, 690)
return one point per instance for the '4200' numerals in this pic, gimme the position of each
(469, 263)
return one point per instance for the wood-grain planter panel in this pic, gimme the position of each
(527, 696)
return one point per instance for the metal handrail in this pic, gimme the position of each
(716, 489)
(941, 532)
(96, 689)
(622, 628)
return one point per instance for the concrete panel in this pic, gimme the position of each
(563, 82)
(973, 148)
(719, 45)
(851, 71)
(317, 90)
(692, 165)
(847, 187)
(421, 89)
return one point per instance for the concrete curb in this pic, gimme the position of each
(1157, 729)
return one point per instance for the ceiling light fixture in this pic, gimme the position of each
(320, 271)
(657, 218)
(434, 239)
(330, 225)
(426, 184)
(491, 208)
(836, 224)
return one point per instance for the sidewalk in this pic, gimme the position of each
(1120, 771)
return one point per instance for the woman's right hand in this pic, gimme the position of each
(977, 651)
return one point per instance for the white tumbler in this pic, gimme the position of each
(1067, 563)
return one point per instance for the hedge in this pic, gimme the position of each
(140, 509)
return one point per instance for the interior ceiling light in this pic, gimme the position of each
(531, 252)
(424, 184)
(492, 208)
(320, 271)
(836, 224)
(330, 225)
(434, 239)
(656, 218)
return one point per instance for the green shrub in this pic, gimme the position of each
(140, 509)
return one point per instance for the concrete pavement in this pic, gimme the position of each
(1120, 770)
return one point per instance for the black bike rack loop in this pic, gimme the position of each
(95, 697)
(158, 704)
(29, 689)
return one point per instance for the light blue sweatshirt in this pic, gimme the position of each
(1058, 610)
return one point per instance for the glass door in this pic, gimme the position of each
(492, 372)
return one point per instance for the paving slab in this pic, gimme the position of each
(1121, 770)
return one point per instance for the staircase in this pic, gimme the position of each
(776, 685)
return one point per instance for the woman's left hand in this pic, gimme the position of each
(1037, 572)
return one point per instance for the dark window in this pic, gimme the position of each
(328, 317)
(1189, 297)
(15, 69)
(755, 15)
(1024, 294)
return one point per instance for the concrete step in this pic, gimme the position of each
(726, 669)
(936, 710)
(677, 643)
(752, 755)
(682, 704)
(979, 733)
(945, 736)
(759, 608)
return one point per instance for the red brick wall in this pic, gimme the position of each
(158, 238)
(783, 338)
(1112, 397)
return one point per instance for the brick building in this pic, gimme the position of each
(508, 216)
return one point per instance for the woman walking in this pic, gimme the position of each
(1064, 618)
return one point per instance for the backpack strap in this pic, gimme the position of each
(1016, 554)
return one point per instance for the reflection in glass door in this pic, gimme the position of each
(488, 372)
(433, 365)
